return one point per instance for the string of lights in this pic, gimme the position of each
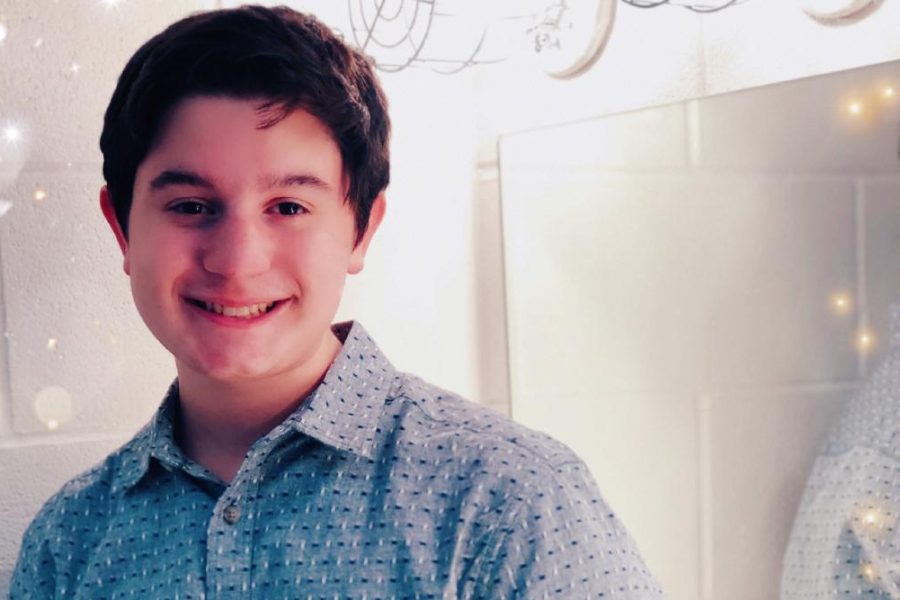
(699, 7)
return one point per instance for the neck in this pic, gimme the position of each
(220, 420)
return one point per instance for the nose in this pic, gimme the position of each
(237, 247)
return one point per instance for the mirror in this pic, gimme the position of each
(694, 291)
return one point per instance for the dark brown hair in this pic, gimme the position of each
(288, 59)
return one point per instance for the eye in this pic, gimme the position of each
(289, 208)
(190, 207)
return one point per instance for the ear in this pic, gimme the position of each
(109, 213)
(357, 258)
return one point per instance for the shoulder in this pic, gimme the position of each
(539, 504)
(67, 525)
(91, 491)
(502, 465)
(429, 414)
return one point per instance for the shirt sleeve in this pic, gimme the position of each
(33, 577)
(564, 542)
(846, 536)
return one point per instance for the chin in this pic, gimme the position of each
(230, 368)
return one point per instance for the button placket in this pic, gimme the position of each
(229, 538)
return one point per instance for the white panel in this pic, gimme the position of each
(759, 449)
(492, 363)
(61, 111)
(774, 40)
(651, 57)
(28, 477)
(621, 142)
(70, 319)
(666, 282)
(806, 126)
(882, 252)
(642, 451)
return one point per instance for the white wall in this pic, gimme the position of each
(666, 54)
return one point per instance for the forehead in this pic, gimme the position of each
(233, 138)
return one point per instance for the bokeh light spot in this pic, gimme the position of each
(53, 407)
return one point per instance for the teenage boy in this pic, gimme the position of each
(246, 158)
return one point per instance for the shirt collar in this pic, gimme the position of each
(342, 412)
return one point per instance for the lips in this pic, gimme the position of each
(246, 311)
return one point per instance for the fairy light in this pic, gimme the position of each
(52, 343)
(40, 194)
(868, 571)
(872, 521)
(855, 109)
(5, 205)
(889, 92)
(12, 134)
(870, 517)
(841, 303)
(865, 341)
(39, 42)
(74, 68)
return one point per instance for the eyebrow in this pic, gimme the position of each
(304, 179)
(179, 177)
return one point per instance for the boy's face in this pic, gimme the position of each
(240, 239)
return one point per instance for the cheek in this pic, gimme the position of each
(156, 263)
(320, 252)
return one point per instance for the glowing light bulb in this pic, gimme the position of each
(870, 517)
(11, 133)
(868, 571)
(889, 92)
(40, 194)
(855, 108)
(53, 407)
(841, 303)
(74, 68)
(865, 341)
(52, 343)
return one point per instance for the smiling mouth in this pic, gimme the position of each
(240, 312)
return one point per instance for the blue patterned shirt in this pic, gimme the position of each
(378, 486)
(845, 541)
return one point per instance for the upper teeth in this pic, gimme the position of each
(251, 310)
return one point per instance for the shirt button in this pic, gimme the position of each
(231, 514)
